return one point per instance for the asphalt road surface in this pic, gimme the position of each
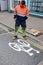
(18, 52)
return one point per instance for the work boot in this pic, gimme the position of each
(25, 37)
(15, 37)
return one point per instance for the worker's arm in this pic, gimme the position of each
(15, 12)
(27, 13)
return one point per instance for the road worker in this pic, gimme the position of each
(21, 13)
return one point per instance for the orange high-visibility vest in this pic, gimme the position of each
(21, 11)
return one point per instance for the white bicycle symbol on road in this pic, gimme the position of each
(21, 45)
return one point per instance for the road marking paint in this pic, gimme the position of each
(32, 43)
(21, 45)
